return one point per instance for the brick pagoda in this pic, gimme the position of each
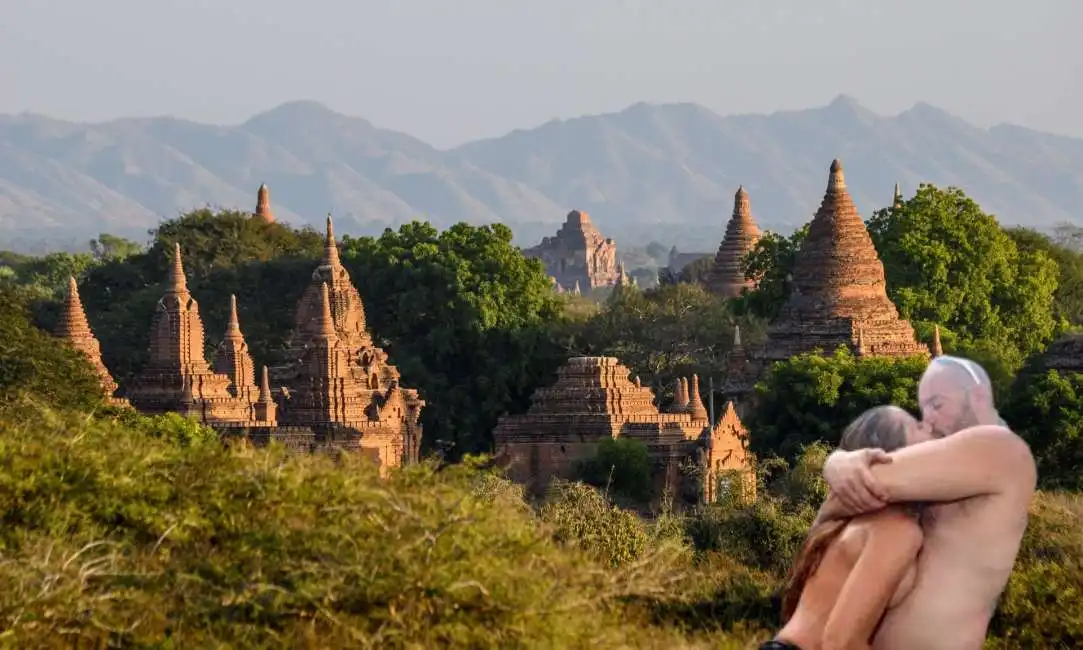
(839, 294)
(74, 328)
(263, 204)
(727, 278)
(337, 377)
(177, 377)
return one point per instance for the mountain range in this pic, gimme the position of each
(664, 172)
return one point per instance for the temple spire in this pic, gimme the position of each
(937, 348)
(233, 328)
(177, 281)
(695, 402)
(265, 386)
(330, 248)
(326, 325)
(73, 320)
(74, 328)
(896, 200)
(836, 182)
(263, 204)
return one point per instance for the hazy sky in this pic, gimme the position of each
(449, 71)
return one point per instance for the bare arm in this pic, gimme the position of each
(831, 509)
(890, 549)
(976, 461)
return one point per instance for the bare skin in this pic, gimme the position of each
(979, 481)
(870, 568)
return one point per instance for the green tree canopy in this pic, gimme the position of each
(33, 364)
(1047, 411)
(666, 332)
(220, 239)
(1068, 299)
(465, 316)
(811, 398)
(948, 262)
(771, 262)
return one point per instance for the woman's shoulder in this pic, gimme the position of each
(895, 520)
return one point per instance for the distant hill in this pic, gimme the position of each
(664, 172)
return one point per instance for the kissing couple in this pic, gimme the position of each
(917, 538)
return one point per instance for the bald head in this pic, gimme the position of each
(955, 393)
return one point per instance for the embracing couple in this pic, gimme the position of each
(918, 536)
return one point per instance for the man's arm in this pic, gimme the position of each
(980, 460)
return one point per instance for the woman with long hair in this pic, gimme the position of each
(851, 571)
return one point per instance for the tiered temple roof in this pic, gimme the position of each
(839, 292)
(177, 377)
(594, 399)
(337, 389)
(727, 453)
(578, 255)
(74, 328)
(727, 279)
(337, 376)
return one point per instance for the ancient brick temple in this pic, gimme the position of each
(74, 328)
(727, 278)
(593, 399)
(177, 377)
(578, 254)
(336, 390)
(726, 460)
(839, 294)
(337, 375)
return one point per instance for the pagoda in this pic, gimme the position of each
(594, 399)
(75, 330)
(727, 277)
(263, 204)
(337, 380)
(177, 377)
(839, 292)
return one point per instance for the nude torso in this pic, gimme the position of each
(806, 627)
(965, 562)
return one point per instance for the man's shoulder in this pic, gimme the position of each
(1000, 446)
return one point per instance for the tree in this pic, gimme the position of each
(1068, 299)
(226, 238)
(465, 316)
(110, 247)
(1047, 411)
(948, 262)
(35, 365)
(665, 333)
(265, 264)
(811, 398)
(771, 264)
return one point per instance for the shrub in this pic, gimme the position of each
(623, 467)
(111, 537)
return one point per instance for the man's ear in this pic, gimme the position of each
(982, 395)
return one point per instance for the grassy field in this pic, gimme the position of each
(138, 532)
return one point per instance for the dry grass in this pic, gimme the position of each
(113, 538)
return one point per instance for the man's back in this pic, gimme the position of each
(969, 549)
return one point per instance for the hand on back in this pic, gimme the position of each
(849, 475)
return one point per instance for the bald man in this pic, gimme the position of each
(977, 477)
